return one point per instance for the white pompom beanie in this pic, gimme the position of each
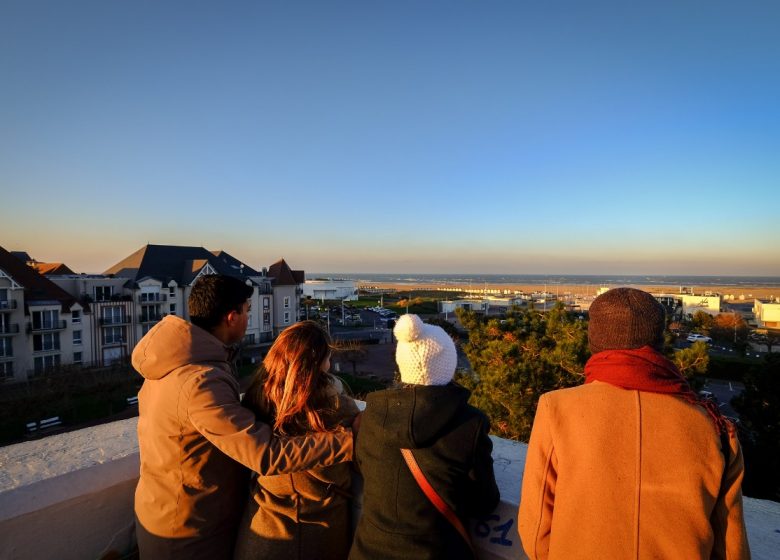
(425, 353)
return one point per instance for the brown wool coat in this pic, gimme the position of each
(623, 474)
(196, 443)
(303, 515)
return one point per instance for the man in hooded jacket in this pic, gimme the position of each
(196, 440)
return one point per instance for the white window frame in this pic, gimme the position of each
(77, 340)
(102, 290)
(75, 316)
(6, 347)
(6, 370)
(286, 317)
(287, 302)
(49, 342)
(113, 335)
(78, 357)
(43, 363)
(46, 319)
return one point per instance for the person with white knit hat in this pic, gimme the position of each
(429, 416)
(425, 353)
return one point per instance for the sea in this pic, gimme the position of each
(539, 279)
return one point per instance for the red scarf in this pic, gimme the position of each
(646, 369)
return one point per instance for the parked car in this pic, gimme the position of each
(695, 337)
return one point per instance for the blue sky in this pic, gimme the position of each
(475, 137)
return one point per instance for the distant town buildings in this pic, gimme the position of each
(65, 318)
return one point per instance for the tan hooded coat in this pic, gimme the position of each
(623, 474)
(197, 442)
(303, 515)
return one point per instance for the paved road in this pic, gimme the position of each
(724, 391)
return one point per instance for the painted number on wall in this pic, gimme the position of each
(492, 524)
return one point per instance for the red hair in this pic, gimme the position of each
(290, 385)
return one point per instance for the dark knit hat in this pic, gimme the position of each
(624, 318)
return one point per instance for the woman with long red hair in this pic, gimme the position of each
(305, 514)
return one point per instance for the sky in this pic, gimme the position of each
(395, 136)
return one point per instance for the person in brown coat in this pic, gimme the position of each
(196, 440)
(302, 515)
(632, 464)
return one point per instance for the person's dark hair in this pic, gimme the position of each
(214, 296)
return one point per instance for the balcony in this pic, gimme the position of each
(144, 318)
(66, 485)
(9, 329)
(46, 326)
(6, 356)
(111, 321)
(151, 299)
(113, 342)
(8, 305)
(41, 351)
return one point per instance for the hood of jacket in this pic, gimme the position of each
(415, 416)
(173, 343)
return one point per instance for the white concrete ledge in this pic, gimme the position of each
(71, 496)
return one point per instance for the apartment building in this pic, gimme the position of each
(41, 325)
(97, 319)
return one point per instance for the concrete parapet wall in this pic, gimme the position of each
(70, 496)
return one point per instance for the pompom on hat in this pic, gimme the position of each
(625, 318)
(425, 353)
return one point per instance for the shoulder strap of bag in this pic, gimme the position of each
(434, 497)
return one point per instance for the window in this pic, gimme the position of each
(249, 319)
(286, 317)
(46, 319)
(6, 351)
(76, 338)
(113, 315)
(145, 328)
(150, 314)
(75, 317)
(46, 342)
(173, 309)
(113, 335)
(286, 302)
(266, 318)
(266, 303)
(3, 294)
(76, 357)
(6, 370)
(172, 291)
(42, 363)
(103, 293)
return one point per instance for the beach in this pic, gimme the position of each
(728, 292)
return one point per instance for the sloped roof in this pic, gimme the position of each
(23, 256)
(283, 275)
(52, 268)
(173, 262)
(36, 286)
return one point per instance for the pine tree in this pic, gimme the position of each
(759, 411)
(518, 358)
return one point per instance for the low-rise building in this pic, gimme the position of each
(287, 290)
(767, 314)
(322, 289)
